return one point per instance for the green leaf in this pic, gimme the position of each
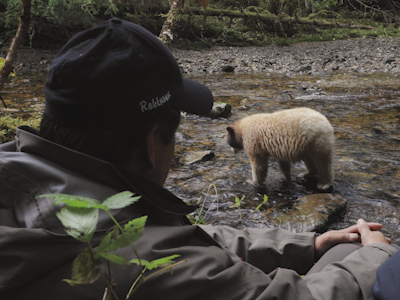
(120, 200)
(139, 262)
(237, 202)
(79, 222)
(158, 263)
(74, 201)
(133, 231)
(85, 269)
(261, 204)
(106, 241)
(115, 258)
(135, 225)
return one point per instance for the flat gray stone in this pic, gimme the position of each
(197, 156)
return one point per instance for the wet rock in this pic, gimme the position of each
(312, 213)
(395, 138)
(197, 156)
(303, 68)
(377, 130)
(220, 109)
(180, 136)
(227, 69)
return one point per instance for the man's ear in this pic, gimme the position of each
(150, 149)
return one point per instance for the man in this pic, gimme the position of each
(113, 100)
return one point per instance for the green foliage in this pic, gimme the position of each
(85, 269)
(157, 263)
(80, 222)
(325, 4)
(282, 42)
(9, 124)
(237, 204)
(60, 11)
(199, 216)
(80, 216)
(265, 200)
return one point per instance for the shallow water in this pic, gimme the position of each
(365, 113)
(364, 110)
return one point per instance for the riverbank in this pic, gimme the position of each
(364, 55)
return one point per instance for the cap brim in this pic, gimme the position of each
(194, 98)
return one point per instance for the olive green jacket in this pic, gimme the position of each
(219, 262)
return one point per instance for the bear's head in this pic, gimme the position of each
(234, 137)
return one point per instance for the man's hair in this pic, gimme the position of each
(116, 146)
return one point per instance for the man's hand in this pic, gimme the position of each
(369, 235)
(363, 232)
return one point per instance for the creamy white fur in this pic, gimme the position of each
(288, 135)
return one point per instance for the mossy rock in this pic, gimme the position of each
(312, 213)
(220, 109)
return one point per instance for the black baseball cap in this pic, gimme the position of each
(118, 74)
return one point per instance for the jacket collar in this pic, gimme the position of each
(28, 140)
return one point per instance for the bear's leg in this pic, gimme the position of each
(259, 168)
(311, 168)
(324, 165)
(285, 167)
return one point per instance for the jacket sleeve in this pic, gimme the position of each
(212, 272)
(268, 248)
(351, 278)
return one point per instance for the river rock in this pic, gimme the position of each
(196, 156)
(227, 69)
(220, 109)
(312, 213)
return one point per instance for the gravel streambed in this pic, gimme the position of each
(365, 55)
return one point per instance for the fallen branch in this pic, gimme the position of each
(268, 18)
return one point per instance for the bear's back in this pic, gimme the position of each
(284, 134)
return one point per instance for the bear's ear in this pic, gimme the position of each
(231, 130)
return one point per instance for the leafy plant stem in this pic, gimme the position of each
(166, 268)
(107, 280)
(123, 232)
(143, 279)
(135, 285)
(110, 288)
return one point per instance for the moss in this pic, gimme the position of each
(9, 124)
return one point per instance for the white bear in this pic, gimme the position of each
(291, 135)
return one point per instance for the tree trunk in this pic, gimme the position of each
(16, 42)
(166, 34)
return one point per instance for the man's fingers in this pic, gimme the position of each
(363, 227)
(372, 225)
(337, 237)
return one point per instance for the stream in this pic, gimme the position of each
(364, 110)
